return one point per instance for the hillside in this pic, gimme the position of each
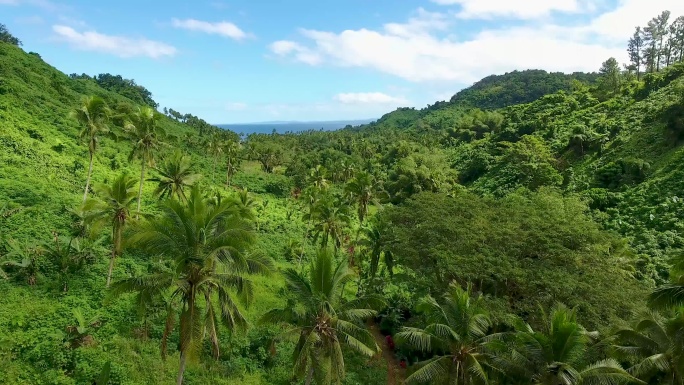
(42, 169)
(517, 87)
(530, 209)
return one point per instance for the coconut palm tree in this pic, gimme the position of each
(215, 147)
(376, 240)
(175, 175)
(206, 243)
(670, 295)
(330, 217)
(456, 334)
(318, 178)
(364, 190)
(557, 355)
(93, 115)
(142, 128)
(322, 320)
(232, 151)
(656, 344)
(113, 207)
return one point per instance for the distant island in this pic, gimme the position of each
(291, 126)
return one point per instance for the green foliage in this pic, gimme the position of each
(6, 36)
(526, 249)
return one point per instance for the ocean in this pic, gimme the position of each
(283, 127)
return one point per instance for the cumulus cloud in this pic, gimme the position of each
(222, 28)
(115, 45)
(423, 49)
(298, 52)
(526, 9)
(369, 98)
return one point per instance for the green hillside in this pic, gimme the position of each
(513, 234)
(517, 87)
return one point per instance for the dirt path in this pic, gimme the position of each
(395, 373)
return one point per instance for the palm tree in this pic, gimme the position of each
(93, 114)
(557, 355)
(657, 345)
(322, 320)
(363, 189)
(232, 151)
(146, 135)
(206, 243)
(175, 175)
(330, 217)
(670, 295)
(114, 206)
(215, 147)
(456, 334)
(377, 241)
(318, 178)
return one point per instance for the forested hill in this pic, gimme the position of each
(518, 87)
(456, 243)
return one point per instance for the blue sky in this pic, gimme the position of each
(233, 61)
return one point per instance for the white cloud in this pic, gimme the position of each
(369, 98)
(115, 45)
(236, 106)
(297, 51)
(222, 28)
(422, 49)
(522, 9)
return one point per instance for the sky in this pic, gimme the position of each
(237, 61)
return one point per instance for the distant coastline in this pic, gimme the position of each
(283, 127)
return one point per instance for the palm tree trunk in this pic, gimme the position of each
(90, 171)
(116, 235)
(309, 377)
(213, 171)
(181, 369)
(111, 266)
(142, 178)
(306, 232)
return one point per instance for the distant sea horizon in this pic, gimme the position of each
(282, 127)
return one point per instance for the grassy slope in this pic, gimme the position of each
(42, 168)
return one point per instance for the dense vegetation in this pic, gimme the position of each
(516, 235)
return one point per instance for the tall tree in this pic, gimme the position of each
(93, 114)
(143, 129)
(661, 23)
(456, 334)
(215, 146)
(207, 243)
(610, 78)
(323, 320)
(232, 151)
(634, 50)
(330, 217)
(7, 37)
(113, 207)
(175, 175)
(363, 189)
(377, 240)
(650, 49)
(677, 30)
